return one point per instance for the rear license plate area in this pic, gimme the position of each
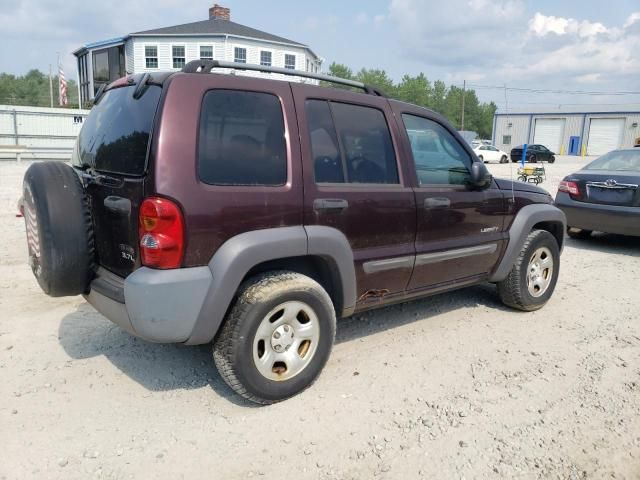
(614, 196)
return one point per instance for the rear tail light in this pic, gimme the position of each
(569, 187)
(161, 230)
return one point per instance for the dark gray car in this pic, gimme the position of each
(603, 196)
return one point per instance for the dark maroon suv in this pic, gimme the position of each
(252, 213)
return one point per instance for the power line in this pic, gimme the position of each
(563, 92)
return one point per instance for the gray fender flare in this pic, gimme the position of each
(238, 255)
(521, 226)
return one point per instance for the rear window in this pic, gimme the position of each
(623, 160)
(241, 139)
(116, 134)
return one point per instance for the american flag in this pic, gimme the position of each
(62, 87)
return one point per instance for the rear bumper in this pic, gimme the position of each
(157, 305)
(602, 218)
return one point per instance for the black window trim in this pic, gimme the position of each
(465, 146)
(399, 185)
(285, 187)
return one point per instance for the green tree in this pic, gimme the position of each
(33, 89)
(438, 102)
(340, 70)
(416, 90)
(377, 78)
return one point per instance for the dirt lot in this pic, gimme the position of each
(454, 386)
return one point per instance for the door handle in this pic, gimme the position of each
(436, 202)
(329, 204)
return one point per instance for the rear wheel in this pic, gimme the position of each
(578, 233)
(277, 337)
(481, 158)
(533, 277)
(504, 159)
(533, 159)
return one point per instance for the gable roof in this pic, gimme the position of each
(217, 26)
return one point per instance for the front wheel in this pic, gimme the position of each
(533, 277)
(552, 159)
(533, 159)
(276, 338)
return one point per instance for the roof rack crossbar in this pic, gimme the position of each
(205, 66)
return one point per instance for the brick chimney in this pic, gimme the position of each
(219, 12)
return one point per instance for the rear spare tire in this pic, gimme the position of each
(59, 229)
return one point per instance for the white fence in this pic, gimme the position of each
(39, 133)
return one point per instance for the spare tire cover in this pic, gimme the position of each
(59, 229)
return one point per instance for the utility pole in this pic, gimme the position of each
(464, 90)
(50, 87)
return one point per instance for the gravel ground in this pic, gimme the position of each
(453, 386)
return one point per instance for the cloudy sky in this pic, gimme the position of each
(575, 45)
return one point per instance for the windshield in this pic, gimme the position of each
(115, 136)
(622, 160)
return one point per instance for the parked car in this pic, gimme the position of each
(252, 213)
(478, 141)
(490, 153)
(603, 196)
(535, 153)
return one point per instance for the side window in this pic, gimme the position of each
(356, 149)
(327, 160)
(438, 157)
(241, 139)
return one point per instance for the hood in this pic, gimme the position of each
(504, 184)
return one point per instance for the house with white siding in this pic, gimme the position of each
(170, 48)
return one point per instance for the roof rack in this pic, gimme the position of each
(205, 66)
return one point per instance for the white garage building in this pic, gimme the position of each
(569, 131)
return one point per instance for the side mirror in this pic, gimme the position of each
(480, 176)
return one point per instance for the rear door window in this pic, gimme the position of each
(115, 136)
(350, 144)
(242, 139)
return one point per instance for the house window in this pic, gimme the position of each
(206, 52)
(506, 139)
(177, 52)
(240, 55)
(307, 69)
(151, 57)
(290, 61)
(265, 59)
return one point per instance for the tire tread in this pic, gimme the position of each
(251, 292)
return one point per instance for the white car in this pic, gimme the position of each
(489, 153)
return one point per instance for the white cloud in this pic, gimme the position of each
(500, 42)
(633, 18)
(542, 25)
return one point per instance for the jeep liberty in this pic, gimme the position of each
(251, 213)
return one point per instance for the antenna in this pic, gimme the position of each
(506, 109)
